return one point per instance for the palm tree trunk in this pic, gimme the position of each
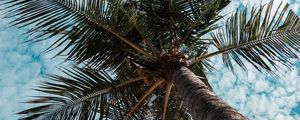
(202, 103)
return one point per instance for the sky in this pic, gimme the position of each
(257, 96)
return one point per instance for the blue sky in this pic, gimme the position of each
(258, 96)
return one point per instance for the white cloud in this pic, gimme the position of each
(21, 67)
(260, 96)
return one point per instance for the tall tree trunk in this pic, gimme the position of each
(200, 100)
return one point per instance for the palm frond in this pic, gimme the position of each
(171, 23)
(264, 39)
(82, 95)
(203, 16)
(96, 31)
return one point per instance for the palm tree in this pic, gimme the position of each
(142, 59)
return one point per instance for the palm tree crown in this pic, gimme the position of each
(127, 51)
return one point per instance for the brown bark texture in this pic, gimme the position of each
(202, 103)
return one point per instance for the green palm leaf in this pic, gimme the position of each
(95, 31)
(82, 94)
(262, 39)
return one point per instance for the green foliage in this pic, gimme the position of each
(262, 39)
(82, 94)
(90, 30)
(125, 37)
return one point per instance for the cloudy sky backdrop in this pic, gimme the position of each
(258, 96)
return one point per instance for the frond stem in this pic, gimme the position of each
(146, 94)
